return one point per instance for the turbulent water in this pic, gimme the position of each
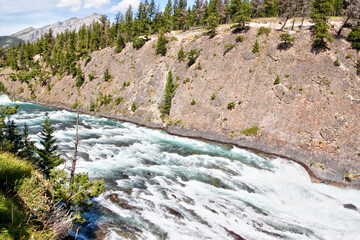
(160, 186)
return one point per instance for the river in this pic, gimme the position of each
(160, 186)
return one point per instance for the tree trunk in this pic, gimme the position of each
(302, 21)
(286, 19)
(342, 26)
(292, 27)
(75, 152)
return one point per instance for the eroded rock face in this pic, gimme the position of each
(312, 115)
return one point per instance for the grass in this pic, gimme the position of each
(12, 169)
(15, 221)
(251, 131)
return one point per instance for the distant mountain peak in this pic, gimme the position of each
(31, 34)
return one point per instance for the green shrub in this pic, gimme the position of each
(133, 107)
(213, 96)
(181, 54)
(277, 80)
(286, 38)
(255, 47)
(251, 131)
(138, 43)
(337, 62)
(193, 102)
(354, 38)
(231, 105)
(119, 100)
(107, 75)
(126, 84)
(239, 38)
(228, 47)
(92, 105)
(264, 30)
(192, 56)
(75, 105)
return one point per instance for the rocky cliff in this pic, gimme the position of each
(312, 116)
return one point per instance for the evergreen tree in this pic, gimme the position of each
(169, 94)
(354, 38)
(168, 20)
(321, 9)
(161, 44)
(120, 44)
(107, 75)
(80, 78)
(12, 138)
(28, 146)
(256, 47)
(48, 156)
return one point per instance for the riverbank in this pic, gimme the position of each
(311, 116)
(315, 171)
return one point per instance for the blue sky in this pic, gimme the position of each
(16, 15)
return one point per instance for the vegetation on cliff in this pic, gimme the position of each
(46, 203)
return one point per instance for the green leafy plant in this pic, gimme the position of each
(264, 30)
(277, 80)
(231, 105)
(133, 107)
(193, 102)
(119, 100)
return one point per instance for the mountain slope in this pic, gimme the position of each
(7, 41)
(31, 34)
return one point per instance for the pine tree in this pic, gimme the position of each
(169, 94)
(48, 156)
(107, 75)
(168, 20)
(28, 146)
(161, 44)
(80, 78)
(321, 9)
(256, 47)
(13, 137)
(120, 44)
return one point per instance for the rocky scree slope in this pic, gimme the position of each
(312, 116)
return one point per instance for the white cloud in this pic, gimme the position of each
(95, 3)
(124, 5)
(74, 4)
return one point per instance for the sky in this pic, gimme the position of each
(16, 15)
